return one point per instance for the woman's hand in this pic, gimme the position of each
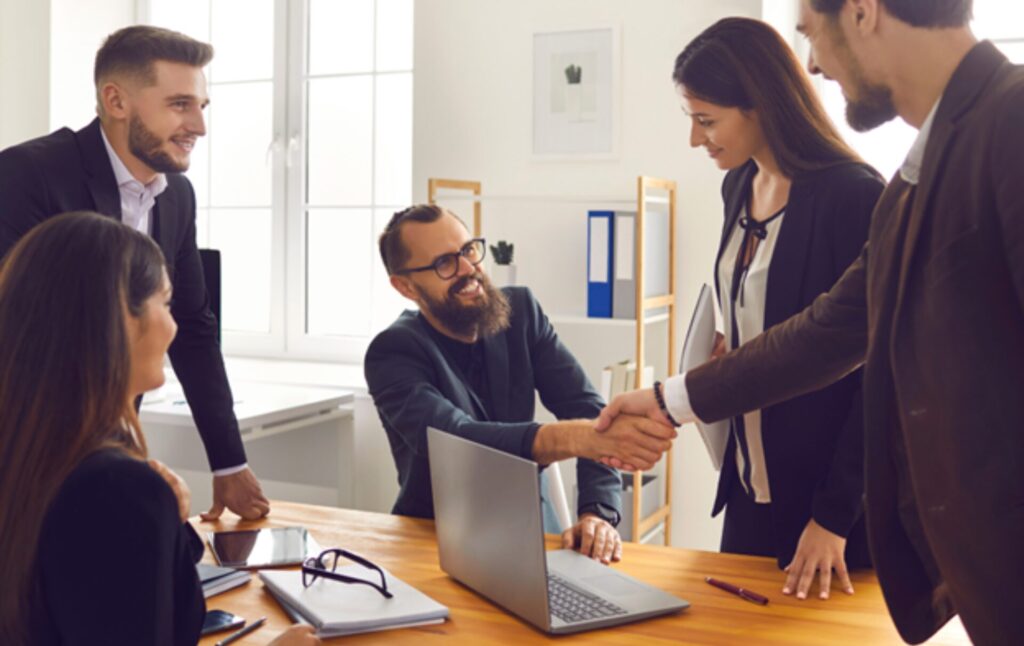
(178, 486)
(818, 550)
(296, 636)
(719, 348)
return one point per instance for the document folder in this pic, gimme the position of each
(600, 237)
(700, 342)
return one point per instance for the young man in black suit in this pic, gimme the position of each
(469, 363)
(127, 164)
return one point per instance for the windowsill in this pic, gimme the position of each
(295, 373)
(299, 373)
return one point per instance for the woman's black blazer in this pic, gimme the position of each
(813, 444)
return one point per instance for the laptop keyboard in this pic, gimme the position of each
(571, 605)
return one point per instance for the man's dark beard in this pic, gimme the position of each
(487, 317)
(873, 107)
(148, 148)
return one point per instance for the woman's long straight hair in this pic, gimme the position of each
(744, 63)
(65, 291)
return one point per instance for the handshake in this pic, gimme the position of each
(631, 434)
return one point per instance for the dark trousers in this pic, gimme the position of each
(748, 525)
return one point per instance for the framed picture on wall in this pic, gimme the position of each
(575, 93)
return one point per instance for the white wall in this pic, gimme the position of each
(78, 28)
(24, 69)
(473, 120)
(47, 49)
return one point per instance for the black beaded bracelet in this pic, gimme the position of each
(661, 404)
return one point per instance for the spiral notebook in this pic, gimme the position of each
(335, 609)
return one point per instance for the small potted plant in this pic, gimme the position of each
(573, 90)
(503, 273)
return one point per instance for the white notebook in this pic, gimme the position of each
(335, 608)
(700, 342)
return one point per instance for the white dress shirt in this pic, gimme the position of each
(749, 311)
(137, 201)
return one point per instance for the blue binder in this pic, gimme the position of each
(600, 260)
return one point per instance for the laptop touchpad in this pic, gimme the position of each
(613, 584)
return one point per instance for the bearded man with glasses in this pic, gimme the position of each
(469, 363)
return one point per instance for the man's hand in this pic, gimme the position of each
(639, 402)
(178, 486)
(817, 550)
(241, 493)
(594, 537)
(635, 443)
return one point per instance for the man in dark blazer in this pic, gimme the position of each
(933, 308)
(470, 362)
(127, 164)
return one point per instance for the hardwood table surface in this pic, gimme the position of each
(408, 548)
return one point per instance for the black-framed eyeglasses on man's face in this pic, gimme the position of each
(324, 566)
(447, 265)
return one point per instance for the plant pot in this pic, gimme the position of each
(503, 275)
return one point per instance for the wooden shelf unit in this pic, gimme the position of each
(642, 526)
(435, 183)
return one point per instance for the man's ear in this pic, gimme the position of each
(114, 100)
(864, 15)
(404, 286)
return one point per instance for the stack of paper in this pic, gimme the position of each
(216, 579)
(335, 608)
(621, 378)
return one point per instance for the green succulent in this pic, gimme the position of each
(574, 74)
(502, 252)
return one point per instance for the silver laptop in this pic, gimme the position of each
(488, 516)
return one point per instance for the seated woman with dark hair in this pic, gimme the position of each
(96, 547)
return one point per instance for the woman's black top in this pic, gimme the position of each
(115, 563)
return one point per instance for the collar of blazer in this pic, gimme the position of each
(107, 198)
(969, 80)
(99, 173)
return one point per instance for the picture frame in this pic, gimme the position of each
(576, 94)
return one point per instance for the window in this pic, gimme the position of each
(308, 153)
(886, 147)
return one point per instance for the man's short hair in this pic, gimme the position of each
(917, 13)
(133, 50)
(392, 251)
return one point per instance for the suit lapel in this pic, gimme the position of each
(733, 208)
(164, 224)
(496, 356)
(100, 174)
(786, 270)
(968, 81)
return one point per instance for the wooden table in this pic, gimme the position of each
(408, 548)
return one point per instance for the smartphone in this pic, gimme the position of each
(218, 620)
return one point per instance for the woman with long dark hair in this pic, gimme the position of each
(798, 202)
(94, 542)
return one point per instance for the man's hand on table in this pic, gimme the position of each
(594, 537)
(241, 493)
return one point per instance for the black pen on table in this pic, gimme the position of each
(743, 593)
(233, 637)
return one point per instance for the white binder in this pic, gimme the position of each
(700, 342)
